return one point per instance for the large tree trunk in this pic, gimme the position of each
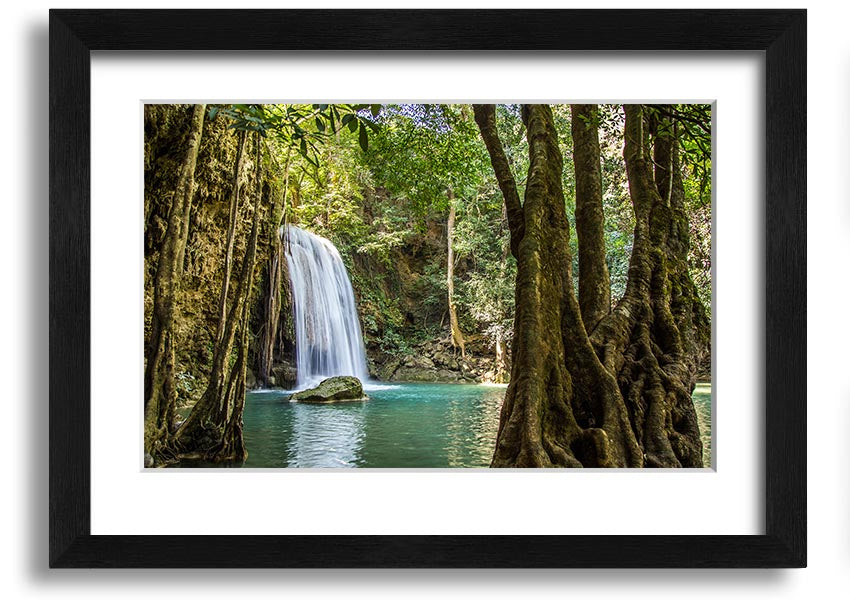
(642, 341)
(456, 335)
(562, 408)
(687, 309)
(485, 118)
(213, 429)
(276, 267)
(271, 312)
(210, 411)
(594, 285)
(621, 397)
(232, 445)
(160, 391)
(231, 237)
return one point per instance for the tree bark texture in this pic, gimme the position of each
(271, 312)
(213, 430)
(485, 118)
(617, 398)
(160, 391)
(231, 237)
(276, 277)
(562, 408)
(643, 341)
(594, 284)
(232, 445)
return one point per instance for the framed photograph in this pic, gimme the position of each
(296, 279)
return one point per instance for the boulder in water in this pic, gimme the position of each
(334, 389)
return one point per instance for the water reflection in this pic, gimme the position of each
(325, 436)
(471, 426)
(702, 404)
(401, 426)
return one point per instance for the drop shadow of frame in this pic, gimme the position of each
(74, 34)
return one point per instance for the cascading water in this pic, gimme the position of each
(328, 341)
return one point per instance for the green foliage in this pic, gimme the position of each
(377, 181)
(512, 133)
(302, 126)
(485, 291)
(619, 251)
(422, 157)
(424, 150)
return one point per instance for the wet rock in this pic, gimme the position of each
(284, 375)
(333, 389)
(436, 361)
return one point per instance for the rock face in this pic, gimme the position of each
(250, 380)
(283, 375)
(435, 362)
(333, 389)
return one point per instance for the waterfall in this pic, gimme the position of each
(328, 341)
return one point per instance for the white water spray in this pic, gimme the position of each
(328, 341)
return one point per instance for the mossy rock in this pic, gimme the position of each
(334, 389)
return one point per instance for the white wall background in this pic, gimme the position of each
(24, 514)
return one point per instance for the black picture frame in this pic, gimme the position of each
(780, 34)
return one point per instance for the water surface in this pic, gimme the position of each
(403, 426)
(702, 404)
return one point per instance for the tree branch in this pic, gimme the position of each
(676, 115)
(485, 118)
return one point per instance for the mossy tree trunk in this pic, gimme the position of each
(594, 284)
(210, 412)
(485, 118)
(160, 391)
(271, 311)
(562, 408)
(232, 446)
(646, 338)
(275, 271)
(621, 396)
(688, 310)
(213, 430)
(224, 293)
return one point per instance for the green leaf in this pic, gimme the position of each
(320, 125)
(352, 125)
(213, 112)
(364, 139)
(376, 109)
